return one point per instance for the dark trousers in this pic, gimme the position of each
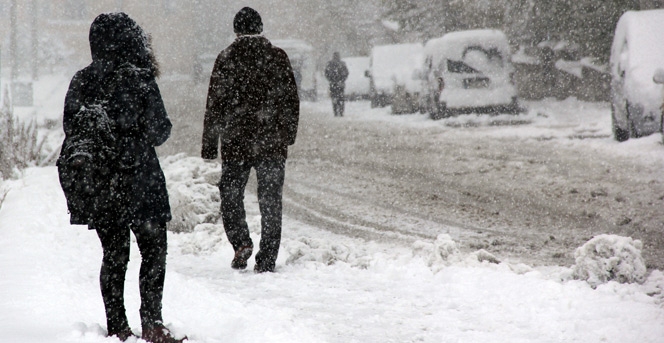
(115, 241)
(338, 99)
(270, 175)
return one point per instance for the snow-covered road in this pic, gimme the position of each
(531, 187)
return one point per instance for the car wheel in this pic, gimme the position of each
(374, 101)
(513, 108)
(618, 133)
(439, 111)
(630, 123)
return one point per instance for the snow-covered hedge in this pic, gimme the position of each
(610, 258)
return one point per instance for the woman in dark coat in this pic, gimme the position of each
(131, 192)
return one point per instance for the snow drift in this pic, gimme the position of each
(610, 258)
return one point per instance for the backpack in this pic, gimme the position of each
(85, 160)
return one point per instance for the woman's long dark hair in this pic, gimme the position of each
(117, 39)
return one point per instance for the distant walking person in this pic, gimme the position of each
(114, 116)
(253, 109)
(337, 73)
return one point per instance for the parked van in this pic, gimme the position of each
(302, 60)
(636, 53)
(357, 84)
(391, 72)
(469, 72)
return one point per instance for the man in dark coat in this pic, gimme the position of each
(253, 109)
(131, 188)
(337, 73)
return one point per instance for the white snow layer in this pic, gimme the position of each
(327, 288)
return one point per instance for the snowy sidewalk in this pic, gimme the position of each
(328, 288)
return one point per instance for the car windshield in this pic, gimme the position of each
(460, 67)
(476, 60)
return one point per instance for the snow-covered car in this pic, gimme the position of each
(469, 71)
(357, 84)
(391, 72)
(636, 53)
(301, 56)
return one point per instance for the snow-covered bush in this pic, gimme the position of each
(610, 258)
(192, 191)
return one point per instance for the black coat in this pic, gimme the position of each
(134, 190)
(252, 106)
(336, 73)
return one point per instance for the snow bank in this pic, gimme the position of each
(439, 253)
(339, 289)
(192, 191)
(307, 249)
(445, 252)
(610, 258)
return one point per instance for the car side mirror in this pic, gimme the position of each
(367, 73)
(658, 78)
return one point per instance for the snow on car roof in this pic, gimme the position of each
(644, 31)
(452, 45)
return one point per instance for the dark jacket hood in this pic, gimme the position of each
(116, 39)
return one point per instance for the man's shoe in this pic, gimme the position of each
(122, 335)
(263, 269)
(241, 257)
(160, 334)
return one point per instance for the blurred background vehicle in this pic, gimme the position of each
(636, 53)
(301, 55)
(469, 71)
(391, 72)
(357, 84)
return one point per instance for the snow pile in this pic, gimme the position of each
(610, 258)
(654, 286)
(205, 239)
(192, 191)
(308, 249)
(445, 252)
(440, 253)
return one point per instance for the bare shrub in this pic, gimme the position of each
(20, 146)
